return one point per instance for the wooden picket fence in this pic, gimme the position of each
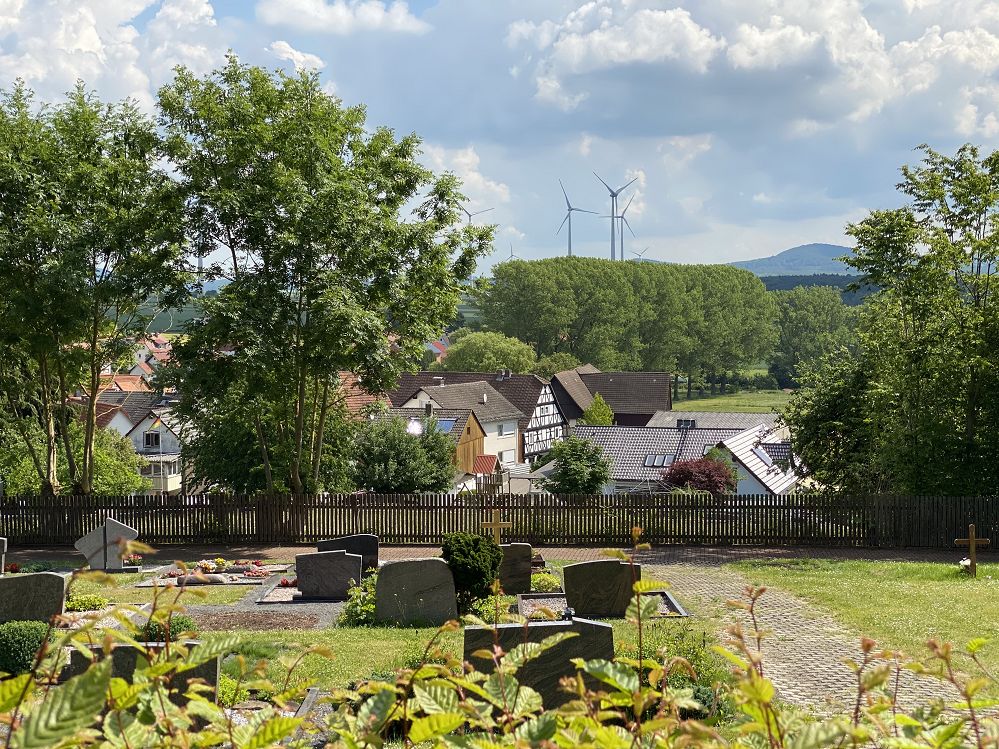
(542, 520)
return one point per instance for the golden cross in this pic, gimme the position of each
(972, 542)
(496, 525)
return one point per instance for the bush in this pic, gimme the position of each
(86, 602)
(580, 467)
(157, 631)
(474, 562)
(231, 692)
(545, 582)
(360, 608)
(19, 645)
(493, 609)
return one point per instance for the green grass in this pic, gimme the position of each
(126, 592)
(901, 605)
(759, 401)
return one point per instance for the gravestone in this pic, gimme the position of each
(126, 658)
(599, 589)
(3, 555)
(102, 546)
(515, 569)
(365, 544)
(36, 597)
(415, 591)
(593, 640)
(326, 575)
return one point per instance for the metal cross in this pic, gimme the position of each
(496, 526)
(972, 542)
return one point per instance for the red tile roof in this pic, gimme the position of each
(484, 464)
(124, 383)
(355, 397)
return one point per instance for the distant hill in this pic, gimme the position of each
(836, 280)
(804, 260)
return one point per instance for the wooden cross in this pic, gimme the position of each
(972, 542)
(496, 525)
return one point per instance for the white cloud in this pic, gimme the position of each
(636, 201)
(585, 144)
(778, 44)
(804, 127)
(977, 115)
(764, 198)
(512, 231)
(301, 60)
(481, 191)
(680, 150)
(549, 90)
(341, 16)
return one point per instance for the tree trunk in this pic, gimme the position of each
(317, 444)
(64, 427)
(50, 484)
(262, 441)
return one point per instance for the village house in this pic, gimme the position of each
(634, 397)
(157, 439)
(458, 423)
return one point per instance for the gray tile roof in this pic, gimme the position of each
(625, 392)
(136, 405)
(713, 419)
(628, 447)
(459, 416)
(470, 395)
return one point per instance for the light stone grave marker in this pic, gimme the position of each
(415, 591)
(102, 546)
(36, 597)
(326, 575)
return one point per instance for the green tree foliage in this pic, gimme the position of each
(329, 269)
(632, 316)
(598, 413)
(580, 467)
(916, 409)
(391, 459)
(488, 352)
(90, 230)
(116, 465)
(560, 361)
(474, 562)
(812, 321)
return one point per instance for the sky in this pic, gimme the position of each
(750, 126)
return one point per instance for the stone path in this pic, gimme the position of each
(803, 656)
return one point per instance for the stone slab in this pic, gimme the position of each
(600, 589)
(365, 544)
(593, 640)
(415, 591)
(126, 658)
(102, 546)
(515, 569)
(36, 597)
(327, 575)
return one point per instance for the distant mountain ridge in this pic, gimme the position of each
(806, 259)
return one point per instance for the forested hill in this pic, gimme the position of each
(836, 280)
(806, 259)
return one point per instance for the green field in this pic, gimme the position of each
(759, 401)
(901, 605)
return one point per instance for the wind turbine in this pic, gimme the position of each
(624, 222)
(474, 213)
(613, 196)
(640, 254)
(569, 208)
(513, 255)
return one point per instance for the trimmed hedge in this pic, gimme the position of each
(19, 645)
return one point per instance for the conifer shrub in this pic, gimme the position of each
(474, 561)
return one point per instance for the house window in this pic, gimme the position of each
(151, 439)
(500, 430)
(506, 456)
(658, 461)
(764, 456)
(505, 429)
(686, 423)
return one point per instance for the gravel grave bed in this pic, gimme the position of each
(213, 622)
(557, 604)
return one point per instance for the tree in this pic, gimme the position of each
(598, 413)
(812, 321)
(915, 410)
(580, 467)
(90, 230)
(329, 270)
(488, 352)
(116, 464)
(707, 474)
(391, 459)
(551, 365)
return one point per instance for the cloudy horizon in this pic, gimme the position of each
(750, 126)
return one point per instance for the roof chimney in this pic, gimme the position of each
(428, 409)
(499, 376)
(485, 397)
(509, 373)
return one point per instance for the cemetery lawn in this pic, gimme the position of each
(126, 592)
(760, 401)
(901, 605)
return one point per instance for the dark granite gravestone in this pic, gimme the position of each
(515, 569)
(601, 588)
(415, 591)
(365, 544)
(3, 555)
(593, 640)
(326, 575)
(36, 597)
(126, 658)
(102, 546)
